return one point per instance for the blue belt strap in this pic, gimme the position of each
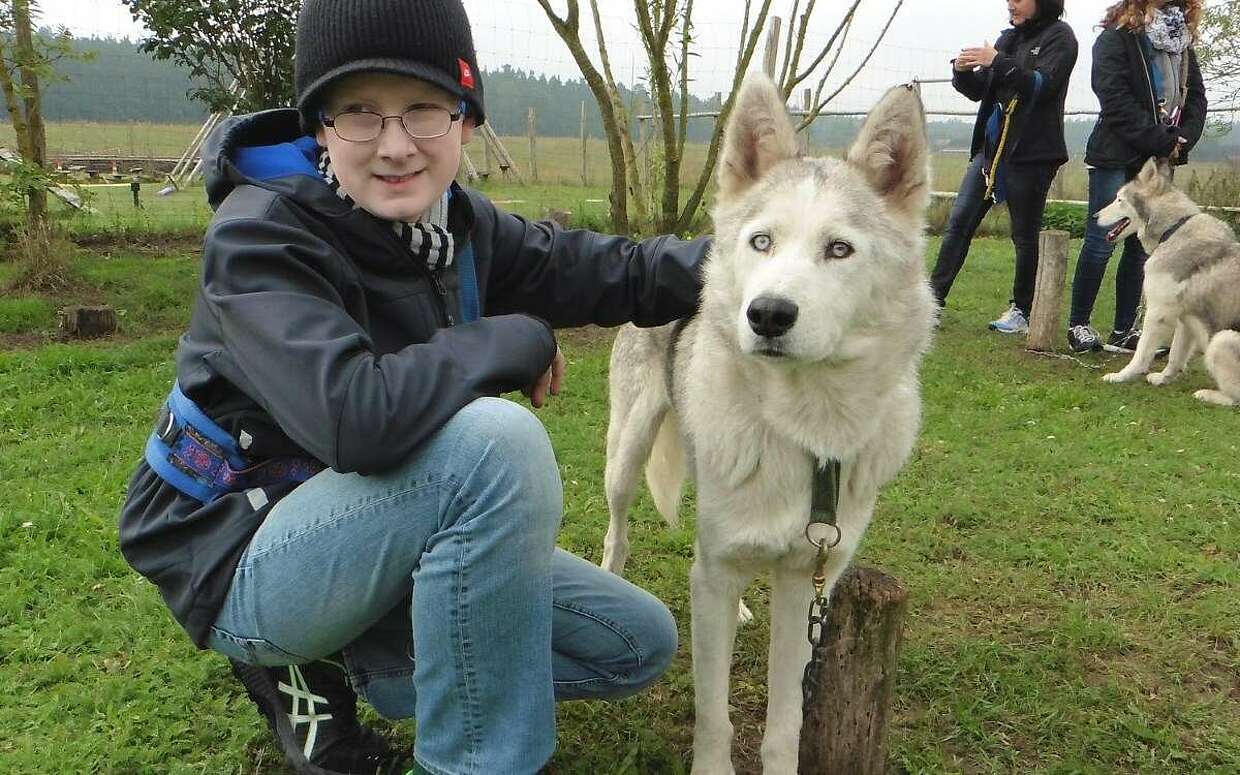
(189, 451)
(471, 305)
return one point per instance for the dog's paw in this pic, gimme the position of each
(1116, 377)
(743, 614)
(1214, 397)
(1159, 378)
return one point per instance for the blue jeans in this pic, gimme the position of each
(1027, 186)
(1091, 265)
(441, 584)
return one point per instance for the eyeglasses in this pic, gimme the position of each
(421, 122)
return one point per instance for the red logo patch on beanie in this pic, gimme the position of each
(467, 74)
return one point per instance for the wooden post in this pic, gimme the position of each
(844, 729)
(807, 98)
(1048, 291)
(486, 159)
(771, 56)
(533, 122)
(585, 170)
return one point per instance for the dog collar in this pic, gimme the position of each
(825, 497)
(1169, 233)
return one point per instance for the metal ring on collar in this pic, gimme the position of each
(822, 542)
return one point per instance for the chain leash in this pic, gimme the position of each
(823, 534)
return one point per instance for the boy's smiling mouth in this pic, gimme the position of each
(396, 180)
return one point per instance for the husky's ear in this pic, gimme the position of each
(758, 136)
(893, 153)
(1155, 174)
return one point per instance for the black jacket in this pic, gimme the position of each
(316, 333)
(1129, 130)
(1044, 51)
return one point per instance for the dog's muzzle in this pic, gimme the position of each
(771, 316)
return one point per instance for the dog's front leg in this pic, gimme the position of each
(715, 588)
(1158, 327)
(791, 593)
(1183, 347)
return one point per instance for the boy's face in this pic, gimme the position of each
(393, 176)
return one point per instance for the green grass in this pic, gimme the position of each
(1072, 551)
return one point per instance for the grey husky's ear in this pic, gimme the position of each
(758, 136)
(1155, 174)
(893, 153)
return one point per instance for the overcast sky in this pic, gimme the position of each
(924, 36)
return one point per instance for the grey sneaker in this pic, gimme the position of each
(1011, 322)
(1084, 338)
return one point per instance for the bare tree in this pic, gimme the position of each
(666, 30)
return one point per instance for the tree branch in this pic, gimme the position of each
(821, 104)
(822, 54)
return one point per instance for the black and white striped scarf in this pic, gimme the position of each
(427, 238)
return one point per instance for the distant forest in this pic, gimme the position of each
(119, 83)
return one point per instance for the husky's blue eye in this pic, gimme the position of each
(839, 249)
(760, 242)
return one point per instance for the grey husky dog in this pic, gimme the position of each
(1192, 282)
(814, 317)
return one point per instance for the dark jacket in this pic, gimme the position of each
(317, 334)
(1036, 57)
(1128, 130)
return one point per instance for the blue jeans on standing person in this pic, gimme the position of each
(1027, 186)
(1091, 265)
(440, 583)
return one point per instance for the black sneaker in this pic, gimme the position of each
(312, 711)
(1123, 341)
(1084, 338)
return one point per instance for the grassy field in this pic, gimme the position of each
(1072, 550)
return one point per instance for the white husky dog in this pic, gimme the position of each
(814, 318)
(1192, 282)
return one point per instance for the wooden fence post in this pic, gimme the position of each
(1048, 291)
(807, 99)
(771, 55)
(533, 124)
(844, 728)
(585, 170)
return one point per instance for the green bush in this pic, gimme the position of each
(1065, 217)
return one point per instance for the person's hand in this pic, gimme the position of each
(979, 56)
(548, 383)
(1180, 142)
(959, 66)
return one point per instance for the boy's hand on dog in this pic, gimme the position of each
(548, 383)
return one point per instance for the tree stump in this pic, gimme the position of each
(88, 322)
(845, 725)
(1048, 291)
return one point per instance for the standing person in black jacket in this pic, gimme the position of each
(1021, 83)
(334, 496)
(1153, 103)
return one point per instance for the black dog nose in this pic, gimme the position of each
(771, 316)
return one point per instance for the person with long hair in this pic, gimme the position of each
(1153, 103)
(1020, 84)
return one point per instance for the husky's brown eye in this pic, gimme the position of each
(760, 242)
(839, 249)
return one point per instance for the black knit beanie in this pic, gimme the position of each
(427, 39)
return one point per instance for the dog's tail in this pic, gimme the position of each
(665, 469)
